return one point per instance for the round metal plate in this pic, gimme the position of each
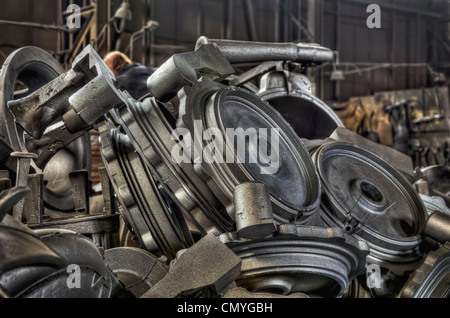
(369, 198)
(287, 171)
(319, 262)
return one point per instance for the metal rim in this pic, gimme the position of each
(151, 133)
(316, 261)
(203, 103)
(388, 243)
(145, 210)
(431, 279)
(35, 67)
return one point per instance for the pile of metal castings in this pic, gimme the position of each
(213, 187)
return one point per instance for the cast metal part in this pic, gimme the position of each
(290, 94)
(371, 200)
(211, 266)
(149, 129)
(319, 262)
(438, 178)
(70, 95)
(292, 180)
(10, 197)
(253, 210)
(184, 69)
(433, 203)
(244, 51)
(438, 227)
(138, 270)
(34, 264)
(432, 278)
(34, 67)
(145, 210)
(401, 162)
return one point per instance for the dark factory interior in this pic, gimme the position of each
(225, 149)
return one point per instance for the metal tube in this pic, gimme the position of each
(243, 51)
(438, 226)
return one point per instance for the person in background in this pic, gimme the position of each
(131, 76)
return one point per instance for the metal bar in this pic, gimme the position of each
(297, 22)
(107, 191)
(80, 186)
(81, 37)
(34, 202)
(23, 168)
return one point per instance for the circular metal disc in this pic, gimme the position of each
(369, 198)
(319, 262)
(284, 165)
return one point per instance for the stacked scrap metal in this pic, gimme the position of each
(305, 208)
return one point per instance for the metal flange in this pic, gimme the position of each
(368, 198)
(319, 262)
(238, 114)
(150, 130)
(143, 207)
(432, 278)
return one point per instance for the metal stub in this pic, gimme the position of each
(370, 199)
(253, 209)
(438, 226)
(238, 114)
(432, 278)
(319, 262)
(183, 69)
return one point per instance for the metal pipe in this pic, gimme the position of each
(438, 226)
(243, 51)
